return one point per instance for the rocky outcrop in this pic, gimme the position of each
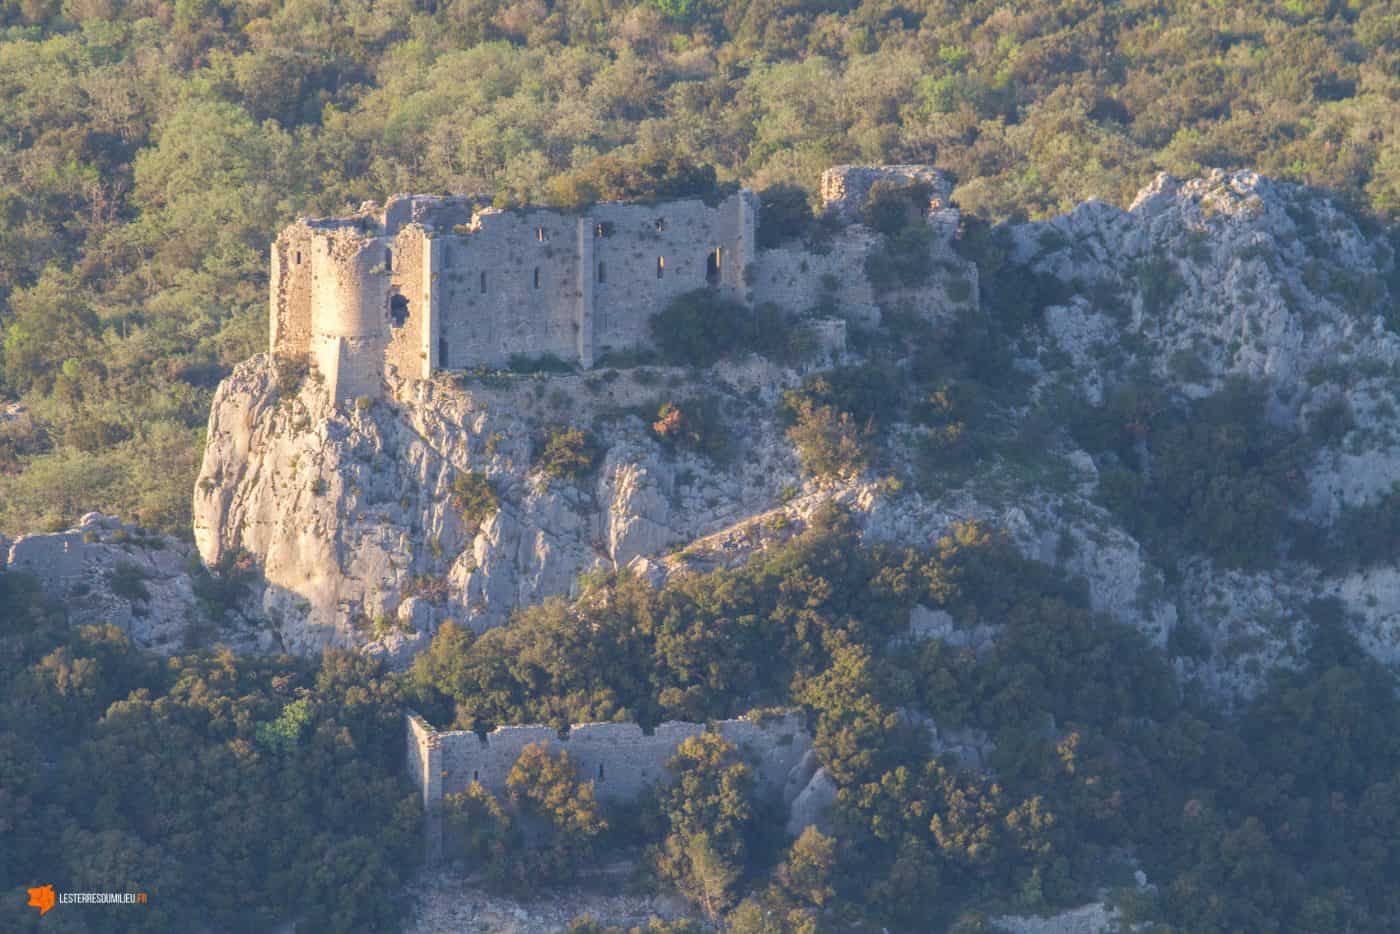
(107, 572)
(352, 517)
(352, 514)
(1095, 918)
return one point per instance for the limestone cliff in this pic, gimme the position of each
(351, 513)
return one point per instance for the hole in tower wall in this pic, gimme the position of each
(298, 258)
(483, 282)
(537, 277)
(660, 266)
(602, 272)
(600, 771)
(476, 775)
(712, 266)
(442, 353)
(539, 234)
(660, 224)
(398, 310)
(388, 260)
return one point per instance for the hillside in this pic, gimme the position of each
(1014, 550)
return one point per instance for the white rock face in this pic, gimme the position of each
(1094, 918)
(351, 513)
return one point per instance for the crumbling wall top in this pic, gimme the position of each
(844, 188)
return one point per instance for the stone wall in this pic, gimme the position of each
(290, 281)
(844, 187)
(507, 284)
(620, 759)
(445, 283)
(409, 310)
(800, 281)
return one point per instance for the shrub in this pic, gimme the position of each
(546, 790)
(290, 373)
(699, 327)
(1212, 476)
(830, 443)
(891, 205)
(569, 453)
(474, 497)
(127, 581)
(905, 259)
(784, 214)
(1159, 283)
(538, 363)
(644, 177)
(693, 423)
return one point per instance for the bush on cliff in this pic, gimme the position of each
(568, 453)
(474, 497)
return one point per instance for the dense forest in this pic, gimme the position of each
(152, 149)
(238, 790)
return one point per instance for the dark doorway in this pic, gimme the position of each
(712, 266)
(442, 352)
(398, 310)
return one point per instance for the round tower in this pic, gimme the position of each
(349, 305)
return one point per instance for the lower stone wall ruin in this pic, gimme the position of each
(621, 759)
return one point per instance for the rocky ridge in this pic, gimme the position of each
(350, 513)
(350, 518)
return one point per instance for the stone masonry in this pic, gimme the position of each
(620, 759)
(432, 283)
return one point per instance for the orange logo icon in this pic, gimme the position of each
(41, 898)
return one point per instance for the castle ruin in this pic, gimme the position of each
(433, 283)
(620, 759)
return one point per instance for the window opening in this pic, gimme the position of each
(483, 282)
(600, 771)
(539, 234)
(537, 277)
(388, 260)
(660, 266)
(398, 310)
(298, 259)
(660, 224)
(602, 273)
(442, 352)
